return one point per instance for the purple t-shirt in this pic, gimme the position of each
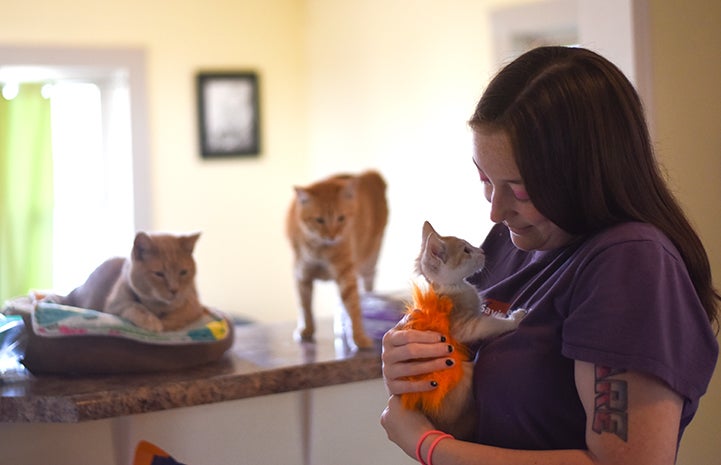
(622, 299)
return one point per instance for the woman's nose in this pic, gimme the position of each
(499, 207)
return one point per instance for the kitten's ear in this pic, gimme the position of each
(142, 245)
(436, 247)
(187, 243)
(427, 230)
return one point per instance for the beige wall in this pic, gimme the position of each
(686, 42)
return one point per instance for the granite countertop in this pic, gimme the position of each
(264, 359)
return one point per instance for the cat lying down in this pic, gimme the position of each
(154, 288)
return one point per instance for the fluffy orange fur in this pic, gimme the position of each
(430, 311)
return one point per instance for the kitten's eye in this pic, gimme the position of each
(183, 272)
(341, 218)
(320, 220)
(159, 274)
(467, 250)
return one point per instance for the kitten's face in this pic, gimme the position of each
(447, 259)
(163, 266)
(325, 210)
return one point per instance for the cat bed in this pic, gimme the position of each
(65, 339)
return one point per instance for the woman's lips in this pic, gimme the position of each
(518, 230)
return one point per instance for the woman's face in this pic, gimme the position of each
(504, 189)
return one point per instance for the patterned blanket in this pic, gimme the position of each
(55, 320)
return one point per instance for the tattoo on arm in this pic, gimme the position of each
(610, 413)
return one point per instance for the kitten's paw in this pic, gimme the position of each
(518, 315)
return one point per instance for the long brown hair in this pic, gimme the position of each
(582, 147)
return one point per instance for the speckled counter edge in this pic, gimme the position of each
(263, 361)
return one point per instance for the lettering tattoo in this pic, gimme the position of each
(611, 406)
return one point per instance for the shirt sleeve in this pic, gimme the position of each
(634, 307)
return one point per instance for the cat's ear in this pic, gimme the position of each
(349, 188)
(436, 247)
(142, 245)
(187, 243)
(428, 230)
(301, 194)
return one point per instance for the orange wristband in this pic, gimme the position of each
(420, 443)
(429, 456)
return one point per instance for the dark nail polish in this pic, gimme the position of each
(450, 348)
(449, 362)
(434, 383)
(443, 339)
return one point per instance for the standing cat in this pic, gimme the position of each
(335, 227)
(451, 306)
(154, 288)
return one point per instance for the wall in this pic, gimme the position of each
(389, 91)
(685, 42)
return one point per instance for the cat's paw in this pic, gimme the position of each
(363, 341)
(147, 320)
(305, 334)
(518, 315)
(52, 298)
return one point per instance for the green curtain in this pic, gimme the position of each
(26, 193)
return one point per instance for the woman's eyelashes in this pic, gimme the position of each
(519, 192)
(517, 188)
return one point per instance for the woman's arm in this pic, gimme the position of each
(633, 419)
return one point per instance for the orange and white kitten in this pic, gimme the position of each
(335, 227)
(445, 262)
(154, 288)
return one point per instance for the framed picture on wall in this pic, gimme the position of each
(228, 114)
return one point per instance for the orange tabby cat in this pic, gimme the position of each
(154, 288)
(335, 227)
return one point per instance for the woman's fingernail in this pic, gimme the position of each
(443, 339)
(449, 362)
(434, 383)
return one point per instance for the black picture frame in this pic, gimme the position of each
(228, 114)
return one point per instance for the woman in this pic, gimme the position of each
(618, 344)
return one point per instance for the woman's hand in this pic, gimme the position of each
(403, 426)
(408, 352)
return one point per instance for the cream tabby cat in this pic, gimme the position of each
(154, 288)
(335, 227)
